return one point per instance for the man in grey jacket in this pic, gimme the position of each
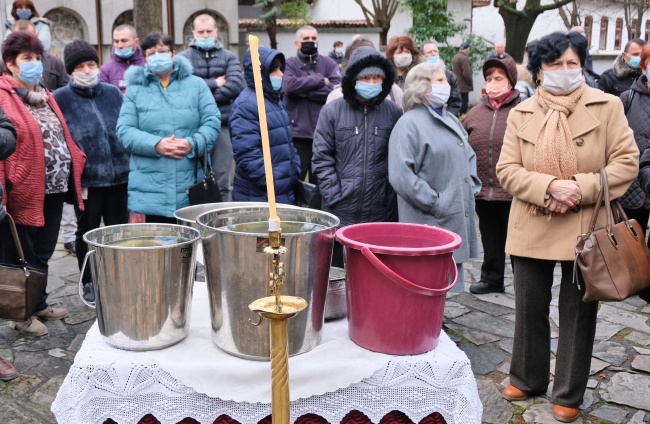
(222, 71)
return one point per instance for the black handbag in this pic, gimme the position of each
(206, 191)
(20, 285)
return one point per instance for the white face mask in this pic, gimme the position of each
(563, 82)
(403, 60)
(438, 96)
(80, 78)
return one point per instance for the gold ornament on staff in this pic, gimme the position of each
(276, 307)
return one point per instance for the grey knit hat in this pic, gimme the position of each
(371, 71)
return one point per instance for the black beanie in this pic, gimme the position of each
(79, 51)
(277, 63)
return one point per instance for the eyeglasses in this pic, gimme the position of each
(150, 53)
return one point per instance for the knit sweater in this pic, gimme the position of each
(23, 174)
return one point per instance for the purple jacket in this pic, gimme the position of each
(112, 72)
(305, 91)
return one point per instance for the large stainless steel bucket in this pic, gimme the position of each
(237, 274)
(143, 278)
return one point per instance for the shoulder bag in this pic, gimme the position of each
(614, 261)
(20, 286)
(206, 191)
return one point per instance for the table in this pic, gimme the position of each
(106, 384)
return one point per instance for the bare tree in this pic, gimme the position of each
(380, 16)
(519, 22)
(570, 14)
(634, 9)
(147, 16)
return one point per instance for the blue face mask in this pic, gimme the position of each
(634, 62)
(433, 59)
(31, 72)
(160, 63)
(204, 43)
(368, 90)
(276, 82)
(24, 14)
(124, 53)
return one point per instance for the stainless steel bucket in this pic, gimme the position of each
(336, 305)
(187, 216)
(237, 274)
(143, 278)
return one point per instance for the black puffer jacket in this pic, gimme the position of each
(350, 151)
(618, 78)
(214, 63)
(636, 102)
(7, 147)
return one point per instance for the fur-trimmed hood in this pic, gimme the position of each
(361, 58)
(620, 68)
(138, 75)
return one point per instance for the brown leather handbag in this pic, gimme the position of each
(20, 286)
(615, 260)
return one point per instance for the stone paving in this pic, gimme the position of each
(483, 326)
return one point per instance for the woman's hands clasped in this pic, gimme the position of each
(565, 196)
(173, 147)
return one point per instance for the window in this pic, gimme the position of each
(635, 28)
(602, 41)
(618, 34)
(589, 23)
(647, 30)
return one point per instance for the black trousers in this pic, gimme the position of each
(107, 203)
(158, 219)
(531, 354)
(38, 243)
(493, 224)
(464, 97)
(304, 148)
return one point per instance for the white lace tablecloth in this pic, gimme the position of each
(195, 379)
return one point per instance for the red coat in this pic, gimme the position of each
(25, 169)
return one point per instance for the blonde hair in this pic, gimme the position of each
(418, 80)
(524, 75)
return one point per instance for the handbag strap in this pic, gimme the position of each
(207, 161)
(602, 201)
(19, 247)
(196, 162)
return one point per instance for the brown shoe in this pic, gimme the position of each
(7, 371)
(31, 327)
(513, 394)
(565, 414)
(52, 313)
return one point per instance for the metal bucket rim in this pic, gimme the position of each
(288, 207)
(179, 212)
(196, 237)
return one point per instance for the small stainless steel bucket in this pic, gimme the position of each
(237, 274)
(335, 305)
(143, 278)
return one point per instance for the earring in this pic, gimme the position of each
(538, 82)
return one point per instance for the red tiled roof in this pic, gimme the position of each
(284, 23)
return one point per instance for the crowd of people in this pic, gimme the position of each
(379, 134)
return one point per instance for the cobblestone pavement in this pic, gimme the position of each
(618, 390)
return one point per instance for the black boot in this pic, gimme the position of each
(482, 288)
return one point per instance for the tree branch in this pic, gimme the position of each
(502, 5)
(541, 9)
(370, 18)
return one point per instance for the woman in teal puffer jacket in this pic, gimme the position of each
(168, 121)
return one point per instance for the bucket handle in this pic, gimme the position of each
(403, 282)
(81, 276)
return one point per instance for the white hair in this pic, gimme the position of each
(418, 80)
(304, 28)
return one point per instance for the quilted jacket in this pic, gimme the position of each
(486, 128)
(250, 179)
(636, 102)
(350, 158)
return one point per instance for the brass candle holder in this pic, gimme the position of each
(278, 309)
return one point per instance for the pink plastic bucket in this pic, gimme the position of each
(397, 275)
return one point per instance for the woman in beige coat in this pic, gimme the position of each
(555, 144)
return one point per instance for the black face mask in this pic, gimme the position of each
(309, 48)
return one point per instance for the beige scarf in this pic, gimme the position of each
(555, 153)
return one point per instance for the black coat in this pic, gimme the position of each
(7, 147)
(350, 151)
(91, 114)
(214, 63)
(618, 78)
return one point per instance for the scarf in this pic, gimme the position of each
(555, 152)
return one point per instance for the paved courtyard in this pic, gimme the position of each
(482, 326)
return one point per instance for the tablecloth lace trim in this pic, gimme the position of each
(93, 394)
